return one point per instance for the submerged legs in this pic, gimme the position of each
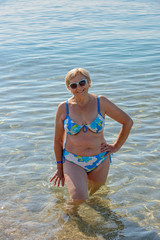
(79, 182)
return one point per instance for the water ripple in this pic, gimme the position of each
(118, 42)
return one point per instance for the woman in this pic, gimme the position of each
(83, 161)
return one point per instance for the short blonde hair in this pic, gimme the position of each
(72, 73)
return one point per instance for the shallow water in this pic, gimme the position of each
(119, 44)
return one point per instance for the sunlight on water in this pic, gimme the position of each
(118, 42)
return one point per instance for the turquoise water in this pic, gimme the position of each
(118, 42)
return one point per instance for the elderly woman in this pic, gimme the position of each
(84, 158)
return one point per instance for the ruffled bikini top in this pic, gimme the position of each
(73, 128)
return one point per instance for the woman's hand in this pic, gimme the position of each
(110, 148)
(58, 178)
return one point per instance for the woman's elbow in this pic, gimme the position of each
(58, 142)
(130, 122)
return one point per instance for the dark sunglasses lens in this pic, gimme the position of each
(73, 85)
(82, 83)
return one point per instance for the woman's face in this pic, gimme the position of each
(81, 88)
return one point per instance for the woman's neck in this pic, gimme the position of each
(81, 101)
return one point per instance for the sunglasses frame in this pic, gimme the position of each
(84, 79)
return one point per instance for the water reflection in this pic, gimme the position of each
(96, 219)
(118, 42)
(28, 214)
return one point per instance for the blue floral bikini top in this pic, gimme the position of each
(73, 128)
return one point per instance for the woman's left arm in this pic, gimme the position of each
(121, 117)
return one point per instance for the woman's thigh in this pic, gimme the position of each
(76, 180)
(100, 173)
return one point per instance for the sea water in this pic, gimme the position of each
(118, 42)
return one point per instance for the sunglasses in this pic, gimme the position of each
(81, 83)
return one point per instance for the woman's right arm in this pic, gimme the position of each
(58, 176)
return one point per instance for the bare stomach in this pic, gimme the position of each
(85, 144)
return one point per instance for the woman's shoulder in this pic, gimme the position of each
(105, 104)
(61, 110)
(103, 99)
(62, 106)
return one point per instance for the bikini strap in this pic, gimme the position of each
(67, 108)
(98, 104)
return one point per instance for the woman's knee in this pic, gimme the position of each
(79, 195)
(94, 186)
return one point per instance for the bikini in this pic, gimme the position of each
(91, 162)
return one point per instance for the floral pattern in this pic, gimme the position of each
(87, 163)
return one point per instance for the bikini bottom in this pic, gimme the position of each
(87, 163)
